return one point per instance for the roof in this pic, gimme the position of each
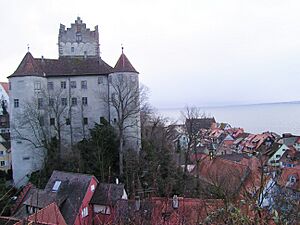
(285, 178)
(64, 66)
(74, 186)
(5, 86)
(123, 65)
(48, 215)
(107, 194)
(195, 124)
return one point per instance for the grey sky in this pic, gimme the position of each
(192, 52)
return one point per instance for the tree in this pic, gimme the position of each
(99, 155)
(124, 101)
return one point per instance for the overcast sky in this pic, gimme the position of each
(188, 52)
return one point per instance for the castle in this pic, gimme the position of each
(66, 97)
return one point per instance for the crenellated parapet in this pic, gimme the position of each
(78, 40)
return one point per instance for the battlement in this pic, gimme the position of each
(78, 40)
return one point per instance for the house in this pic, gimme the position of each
(196, 124)
(104, 201)
(5, 155)
(275, 158)
(80, 84)
(68, 194)
(4, 97)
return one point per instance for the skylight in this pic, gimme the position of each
(56, 186)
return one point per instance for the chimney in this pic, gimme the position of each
(137, 203)
(175, 202)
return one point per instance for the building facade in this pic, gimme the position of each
(65, 97)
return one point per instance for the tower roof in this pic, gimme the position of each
(123, 64)
(28, 66)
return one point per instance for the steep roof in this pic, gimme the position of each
(48, 215)
(74, 186)
(28, 66)
(107, 194)
(5, 86)
(123, 65)
(64, 66)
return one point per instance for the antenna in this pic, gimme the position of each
(122, 47)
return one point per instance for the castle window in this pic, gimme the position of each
(63, 84)
(74, 101)
(16, 103)
(42, 121)
(72, 49)
(84, 101)
(63, 101)
(85, 120)
(100, 80)
(73, 84)
(84, 84)
(37, 85)
(50, 85)
(40, 103)
(68, 121)
(78, 37)
(52, 121)
(2, 163)
(51, 102)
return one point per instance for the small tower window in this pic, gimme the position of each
(72, 49)
(78, 37)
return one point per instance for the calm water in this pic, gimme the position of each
(279, 118)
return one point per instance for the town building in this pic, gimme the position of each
(65, 97)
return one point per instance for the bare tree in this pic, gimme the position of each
(124, 100)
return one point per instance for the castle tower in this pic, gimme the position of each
(124, 84)
(78, 41)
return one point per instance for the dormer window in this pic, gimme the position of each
(56, 186)
(292, 179)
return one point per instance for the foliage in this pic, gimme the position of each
(99, 153)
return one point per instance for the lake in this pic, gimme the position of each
(278, 117)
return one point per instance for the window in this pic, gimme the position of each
(92, 187)
(85, 120)
(102, 120)
(50, 85)
(63, 84)
(2, 163)
(42, 121)
(72, 49)
(68, 121)
(277, 156)
(85, 212)
(74, 101)
(51, 102)
(52, 121)
(115, 120)
(64, 101)
(83, 84)
(16, 103)
(37, 85)
(56, 186)
(292, 179)
(26, 158)
(1, 153)
(84, 101)
(40, 103)
(73, 84)
(78, 37)
(100, 80)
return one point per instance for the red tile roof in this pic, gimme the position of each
(48, 215)
(285, 178)
(123, 65)
(5, 86)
